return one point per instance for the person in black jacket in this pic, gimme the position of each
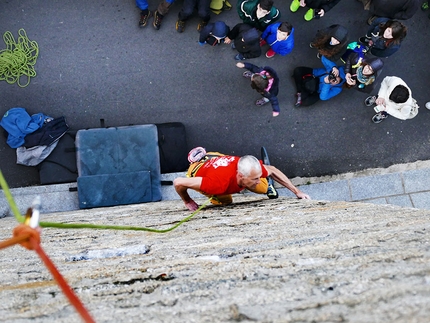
(392, 9)
(214, 33)
(246, 41)
(266, 82)
(361, 72)
(331, 42)
(317, 8)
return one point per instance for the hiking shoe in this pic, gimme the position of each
(295, 5)
(309, 15)
(180, 26)
(261, 102)
(370, 100)
(144, 16)
(271, 192)
(299, 100)
(377, 118)
(239, 57)
(201, 25)
(158, 17)
(247, 74)
(270, 53)
(262, 42)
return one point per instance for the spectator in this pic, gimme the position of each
(384, 37)
(394, 98)
(331, 42)
(314, 84)
(317, 8)
(361, 73)
(246, 41)
(203, 9)
(392, 9)
(214, 33)
(145, 14)
(266, 82)
(258, 13)
(280, 37)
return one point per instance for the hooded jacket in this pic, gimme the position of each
(247, 12)
(394, 9)
(249, 47)
(282, 47)
(352, 64)
(212, 30)
(327, 91)
(340, 33)
(401, 111)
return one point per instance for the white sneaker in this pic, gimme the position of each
(428, 105)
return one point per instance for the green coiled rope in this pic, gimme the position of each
(18, 59)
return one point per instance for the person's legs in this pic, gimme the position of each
(144, 12)
(186, 11)
(162, 10)
(299, 75)
(310, 99)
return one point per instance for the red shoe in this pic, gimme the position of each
(270, 53)
(262, 42)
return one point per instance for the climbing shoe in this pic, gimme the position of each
(309, 15)
(272, 193)
(295, 5)
(144, 16)
(180, 26)
(158, 17)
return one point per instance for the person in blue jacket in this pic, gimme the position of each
(314, 84)
(265, 81)
(280, 37)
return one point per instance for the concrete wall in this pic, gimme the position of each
(259, 260)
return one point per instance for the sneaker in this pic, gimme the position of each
(370, 100)
(262, 42)
(247, 74)
(295, 5)
(275, 114)
(201, 25)
(377, 118)
(425, 6)
(144, 16)
(318, 55)
(180, 26)
(299, 100)
(270, 53)
(428, 105)
(311, 45)
(261, 102)
(233, 46)
(271, 192)
(365, 40)
(309, 15)
(158, 17)
(239, 57)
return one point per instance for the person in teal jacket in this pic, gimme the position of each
(280, 37)
(258, 13)
(314, 84)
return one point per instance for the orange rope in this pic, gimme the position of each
(29, 238)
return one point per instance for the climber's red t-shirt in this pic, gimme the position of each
(219, 175)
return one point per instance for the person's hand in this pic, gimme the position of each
(192, 206)
(349, 79)
(304, 196)
(321, 13)
(201, 44)
(302, 3)
(335, 71)
(240, 65)
(227, 40)
(370, 42)
(380, 101)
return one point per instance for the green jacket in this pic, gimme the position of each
(246, 10)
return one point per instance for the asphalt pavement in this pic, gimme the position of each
(96, 63)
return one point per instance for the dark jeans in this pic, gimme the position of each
(299, 75)
(203, 9)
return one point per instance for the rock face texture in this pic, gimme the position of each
(257, 260)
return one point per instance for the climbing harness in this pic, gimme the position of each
(18, 59)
